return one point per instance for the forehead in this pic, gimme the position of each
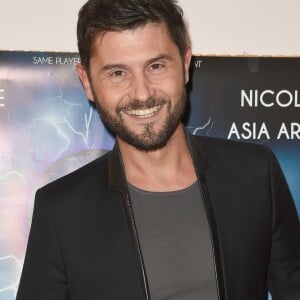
(141, 41)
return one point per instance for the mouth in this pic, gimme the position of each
(144, 113)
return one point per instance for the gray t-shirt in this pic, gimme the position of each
(175, 241)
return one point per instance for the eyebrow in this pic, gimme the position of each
(112, 66)
(162, 56)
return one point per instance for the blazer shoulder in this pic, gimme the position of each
(234, 152)
(93, 175)
(220, 144)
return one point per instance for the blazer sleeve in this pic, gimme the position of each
(284, 266)
(43, 275)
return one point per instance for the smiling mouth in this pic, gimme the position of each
(144, 113)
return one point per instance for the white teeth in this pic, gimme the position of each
(143, 113)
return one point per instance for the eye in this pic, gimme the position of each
(117, 73)
(157, 68)
(117, 76)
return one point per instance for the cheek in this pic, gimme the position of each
(173, 86)
(109, 98)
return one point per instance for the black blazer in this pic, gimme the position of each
(83, 246)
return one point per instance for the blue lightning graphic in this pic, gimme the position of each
(2, 97)
(12, 285)
(208, 126)
(13, 173)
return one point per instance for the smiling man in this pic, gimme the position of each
(164, 215)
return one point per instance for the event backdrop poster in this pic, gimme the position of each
(48, 128)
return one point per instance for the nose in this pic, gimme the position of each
(141, 88)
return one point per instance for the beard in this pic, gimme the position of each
(149, 139)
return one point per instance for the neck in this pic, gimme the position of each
(167, 169)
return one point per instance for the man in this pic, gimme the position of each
(164, 215)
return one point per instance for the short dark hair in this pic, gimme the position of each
(98, 16)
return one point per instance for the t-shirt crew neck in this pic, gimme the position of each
(175, 241)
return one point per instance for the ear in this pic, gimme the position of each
(186, 63)
(84, 78)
